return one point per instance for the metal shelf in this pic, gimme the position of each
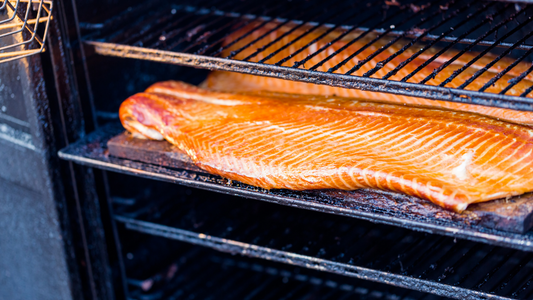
(23, 27)
(371, 205)
(353, 248)
(230, 277)
(206, 35)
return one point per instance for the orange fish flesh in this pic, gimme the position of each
(284, 141)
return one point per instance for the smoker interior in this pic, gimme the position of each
(181, 271)
(162, 268)
(151, 225)
(343, 245)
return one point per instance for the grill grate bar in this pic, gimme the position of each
(336, 27)
(417, 258)
(354, 233)
(155, 37)
(478, 265)
(528, 89)
(260, 289)
(263, 48)
(457, 40)
(208, 34)
(472, 61)
(444, 257)
(204, 37)
(460, 262)
(346, 32)
(190, 274)
(248, 21)
(261, 25)
(163, 26)
(401, 248)
(239, 291)
(470, 46)
(292, 292)
(495, 269)
(307, 31)
(433, 42)
(396, 263)
(526, 291)
(354, 250)
(195, 282)
(149, 28)
(379, 66)
(524, 287)
(300, 14)
(204, 27)
(172, 33)
(218, 283)
(372, 257)
(493, 62)
(504, 282)
(363, 34)
(507, 69)
(131, 35)
(342, 63)
(382, 63)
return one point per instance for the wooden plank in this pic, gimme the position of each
(155, 152)
(512, 215)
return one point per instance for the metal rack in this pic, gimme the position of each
(23, 27)
(210, 35)
(374, 206)
(353, 248)
(245, 278)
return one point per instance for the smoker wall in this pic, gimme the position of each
(33, 260)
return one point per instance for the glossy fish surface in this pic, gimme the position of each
(282, 141)
(326, 50)
(237, 82)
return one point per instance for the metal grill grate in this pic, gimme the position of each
(189, 270)
(449, 50)
(368, 205)
(429, 263)
(23, 27)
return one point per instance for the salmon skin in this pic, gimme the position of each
(284, 141)
(228, 81)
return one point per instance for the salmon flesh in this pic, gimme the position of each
(298, 142)
(326, 50)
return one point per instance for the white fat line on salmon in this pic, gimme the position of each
(147, 132)
(194, 96)
(270, 126)
(461, 171)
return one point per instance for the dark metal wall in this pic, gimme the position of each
(33, 260)
(32, 263)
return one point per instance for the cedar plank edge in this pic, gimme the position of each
(512, 215)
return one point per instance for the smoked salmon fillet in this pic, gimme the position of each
(229, 81)
(297, 142)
